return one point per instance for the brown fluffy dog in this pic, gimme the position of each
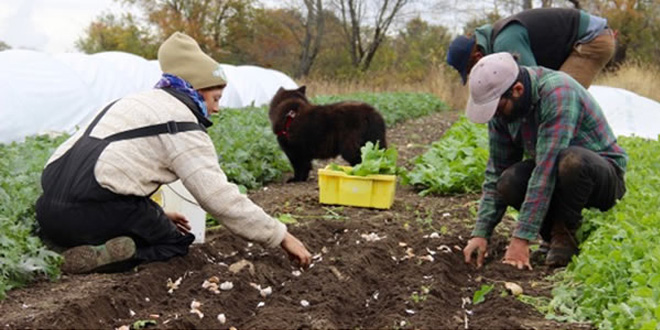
(306, 131)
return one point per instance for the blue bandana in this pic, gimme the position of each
(172, 81)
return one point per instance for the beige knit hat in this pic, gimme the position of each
(181, 56)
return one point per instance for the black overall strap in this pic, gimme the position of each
(171, 127)
(98, 117)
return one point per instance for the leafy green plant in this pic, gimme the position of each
(421, 296)
(333, 213)
(287, 218)
(22, 255)
(425, 219)
(246, 146)
(615, 280)
(480, 295)
(142, 324)
(375, 160)
(540, 303)
(454, 164)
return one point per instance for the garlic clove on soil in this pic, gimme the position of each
(266, 292)
(513, 288)
(225, 286)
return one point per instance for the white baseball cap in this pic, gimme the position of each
(489, 79)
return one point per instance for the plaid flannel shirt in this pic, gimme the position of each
(562, 114)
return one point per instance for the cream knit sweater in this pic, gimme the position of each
(139, 166)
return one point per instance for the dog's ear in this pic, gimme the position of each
(302, 89)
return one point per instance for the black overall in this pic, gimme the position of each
(75, 210)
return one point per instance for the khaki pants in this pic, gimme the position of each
(586, 60)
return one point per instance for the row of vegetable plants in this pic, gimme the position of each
(615, 280)
(22, 255)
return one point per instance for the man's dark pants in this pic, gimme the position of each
(584, 179)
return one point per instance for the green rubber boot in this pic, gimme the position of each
(109, 257)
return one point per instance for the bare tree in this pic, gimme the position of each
(527, 4)
(314, 25)
(363, 37)
(204, 20)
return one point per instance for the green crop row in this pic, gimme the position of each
(615, 281)
(247, 149)
(22, 256)
(455, 164)
(395, 107)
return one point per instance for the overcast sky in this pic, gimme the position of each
(54, 25)
(48, 25)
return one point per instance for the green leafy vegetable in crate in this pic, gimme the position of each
(375, 160)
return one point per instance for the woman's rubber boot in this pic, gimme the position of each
(115, 255)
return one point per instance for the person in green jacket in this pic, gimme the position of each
(564, 39)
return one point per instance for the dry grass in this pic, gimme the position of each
(444, 83)
(440, 81)
(638, 78)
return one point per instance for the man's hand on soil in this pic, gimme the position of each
(517, 253)
(479, 245)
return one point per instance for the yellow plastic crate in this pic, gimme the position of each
(337, 187)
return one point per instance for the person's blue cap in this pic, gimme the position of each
(459, 53)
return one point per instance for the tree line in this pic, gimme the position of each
(340, 39)
(328, 38)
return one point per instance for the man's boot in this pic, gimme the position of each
(538, 256)
(563, 245)
(115, 255)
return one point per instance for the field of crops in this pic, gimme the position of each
(396, 268)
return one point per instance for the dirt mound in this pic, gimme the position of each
(397, 268)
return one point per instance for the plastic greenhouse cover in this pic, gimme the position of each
(60, 92)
